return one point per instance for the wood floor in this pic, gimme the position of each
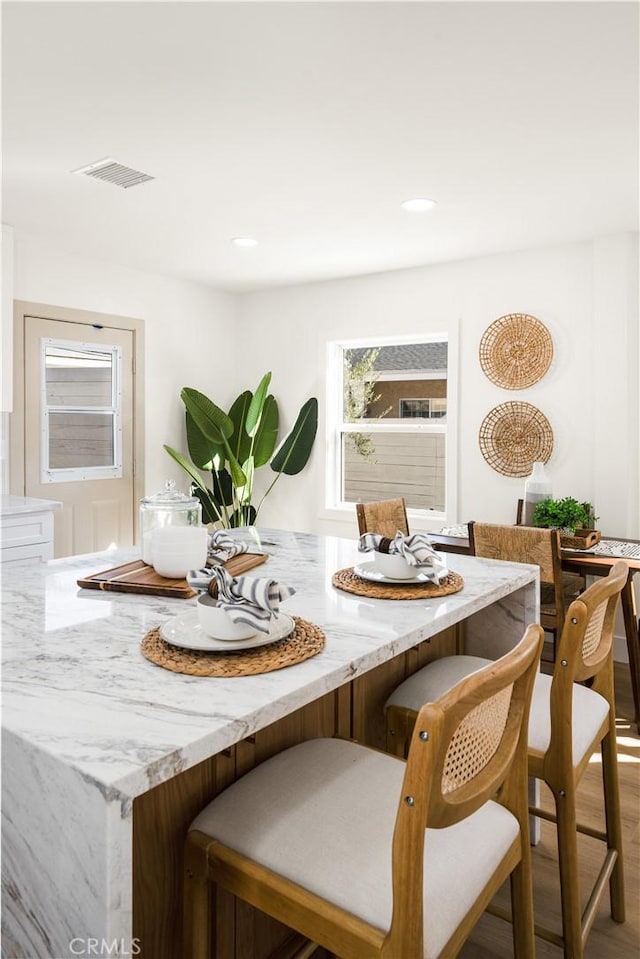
(491, 938)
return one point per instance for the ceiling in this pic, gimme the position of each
(305, 125)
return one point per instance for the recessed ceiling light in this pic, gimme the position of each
(418, 204)
(244, 241)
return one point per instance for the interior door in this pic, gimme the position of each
(78, 426)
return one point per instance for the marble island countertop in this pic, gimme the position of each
(77, 687)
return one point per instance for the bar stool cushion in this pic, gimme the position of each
(430, 682)
(590, 709)
(322, 814)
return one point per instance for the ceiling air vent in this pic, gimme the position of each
(113, 172)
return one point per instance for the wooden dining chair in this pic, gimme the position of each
(534, 545)
(569, 721)
(572, 583)
(370, 856)
(384, 516)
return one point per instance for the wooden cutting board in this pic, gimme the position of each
(138, 577)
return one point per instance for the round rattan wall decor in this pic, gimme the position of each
(516, 351)
(514, 436)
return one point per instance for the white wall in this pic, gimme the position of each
(585, 293)
(190, 337)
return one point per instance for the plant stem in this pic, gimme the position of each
(264, 496)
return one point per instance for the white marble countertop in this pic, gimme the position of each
(11, 505)
(77, 687)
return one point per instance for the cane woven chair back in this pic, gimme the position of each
(585, 652)
(385, 517)
(481, 722)
(590, 625)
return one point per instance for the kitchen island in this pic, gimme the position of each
(107, 757)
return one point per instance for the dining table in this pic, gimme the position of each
(597, 560)
(111, 746)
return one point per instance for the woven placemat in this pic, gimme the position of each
(352, 583)
(513, 436)
(516, 351)
(305, 641)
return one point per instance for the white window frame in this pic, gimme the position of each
(49, 475)
(335, 426)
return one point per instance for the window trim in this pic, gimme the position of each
(73, 474)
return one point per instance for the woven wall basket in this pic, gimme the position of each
(516, 351)
(513, 436)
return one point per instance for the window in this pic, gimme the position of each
(81, 411)
(388, 423)
(428, 409)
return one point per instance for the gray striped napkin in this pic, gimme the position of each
(222, 547)
(250, 599)
(416, 549)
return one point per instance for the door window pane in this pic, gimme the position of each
(81, 440)
(78, 378)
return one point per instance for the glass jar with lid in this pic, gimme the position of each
(169, 507)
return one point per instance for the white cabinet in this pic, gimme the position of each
(26, 529)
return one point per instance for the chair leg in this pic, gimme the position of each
(522, 908)
(614, 827)
(565, 801)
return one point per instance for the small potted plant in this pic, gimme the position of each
(575, 520)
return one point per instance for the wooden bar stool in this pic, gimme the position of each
(370, 856)
(569, 721)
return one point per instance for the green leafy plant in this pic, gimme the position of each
(565, 514)
(232, 446)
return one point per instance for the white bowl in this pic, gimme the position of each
(217, 623)
(394, 566)
(174, 567)
(177, 549)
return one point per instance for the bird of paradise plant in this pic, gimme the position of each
(232, 446)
